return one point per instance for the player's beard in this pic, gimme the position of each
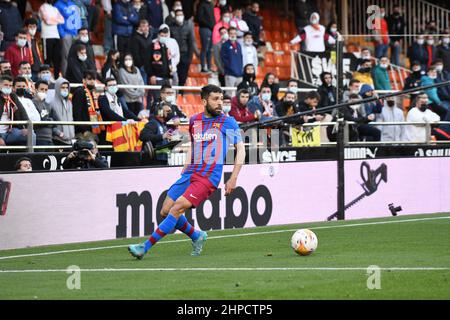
(213, 112)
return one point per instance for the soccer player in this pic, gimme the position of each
(211, 133)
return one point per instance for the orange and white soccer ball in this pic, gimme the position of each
(304, 242)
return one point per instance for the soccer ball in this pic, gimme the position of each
(304, 242)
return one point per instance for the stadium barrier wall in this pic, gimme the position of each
(50, 208)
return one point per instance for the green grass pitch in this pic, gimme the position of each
(255, 263)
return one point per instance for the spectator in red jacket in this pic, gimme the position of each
(239, 109)
(382, 39)
(18, 52)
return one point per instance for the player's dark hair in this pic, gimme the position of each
(208, 89)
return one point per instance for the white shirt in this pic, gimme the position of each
(174, 48)
(5, 117)
(419, 132)
(30, 108)
(314, 39)
(114, 104)
(49, 31)
(249, 55)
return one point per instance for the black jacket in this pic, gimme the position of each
(444, 54)
(89, 50)
(80, 109)
(396, 26)
(254, 24)
(159, 63)
(176, 111)
(76, 163)
(184, 36)
(327, 96)
(303, 11)
(109, 115)
(205, 15)
(76, 68)
(140, 48)
(20, 113)
(153, 131)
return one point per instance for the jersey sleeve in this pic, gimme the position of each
(233, 132)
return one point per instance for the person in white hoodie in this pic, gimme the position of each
(391, 113)
(420, 112)
(50, 18)
(172, 44)
(249, 54)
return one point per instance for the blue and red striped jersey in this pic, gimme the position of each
(210, 139)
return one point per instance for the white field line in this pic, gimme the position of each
(228, 236)
(68, 270)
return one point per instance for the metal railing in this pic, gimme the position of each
(31, 148)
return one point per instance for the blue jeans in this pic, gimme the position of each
(206, 41)
(395, 53)
(15, 137)
(381, 50)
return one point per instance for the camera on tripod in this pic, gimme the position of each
(393, 209)
(82, 147)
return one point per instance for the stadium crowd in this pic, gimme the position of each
(152, 42)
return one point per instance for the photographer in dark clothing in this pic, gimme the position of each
(85, 156)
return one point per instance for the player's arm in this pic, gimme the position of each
(230, 185)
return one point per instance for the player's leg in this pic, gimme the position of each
(165, 227)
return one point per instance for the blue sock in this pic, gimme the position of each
(184, 226)
(164, 228)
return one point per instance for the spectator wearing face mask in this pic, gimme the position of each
(254, 22)
(83, 38)
(223, 23)
(11, 110)
(431, 50)
(353, 88)
(364, 73)
(361, 129)
(263, 104)
(239, 108)
(442, 76)
(420, 112)
(174, 51)
(157, 132)
(25, 72)
(168, 96)
(18, 52)
(85, 107)
(231, 55)
(240, 25)
(380, 75)
(226, 106)
(396, 26)
(436, 104)
(78, 64)
(220, 8)
(381, 31)
(182, 31)
(170, 19)
(63, 110)
(391, 113)
(370, 108)
(443, 50)
(414, 79)
(248, 80)
(36, 57)
(141, 9)
(271, 80)
(217, 48)
(20, 89)
(129, 74)
(333, 32)
(111, 107)
(287, 106)
(418, 52)
(326, 90)
(249, 53)
(44, 133)
(140, 46)
(313, 36)
(50, 18)
(159, 66)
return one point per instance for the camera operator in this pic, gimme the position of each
(85, 156)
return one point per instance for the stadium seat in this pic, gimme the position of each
(277, 46)
(276, 24)
(287, 60)
(267, 35)
(278, 60)
(191, 82)
(286, 47)
(269, 60)
(276, 35)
